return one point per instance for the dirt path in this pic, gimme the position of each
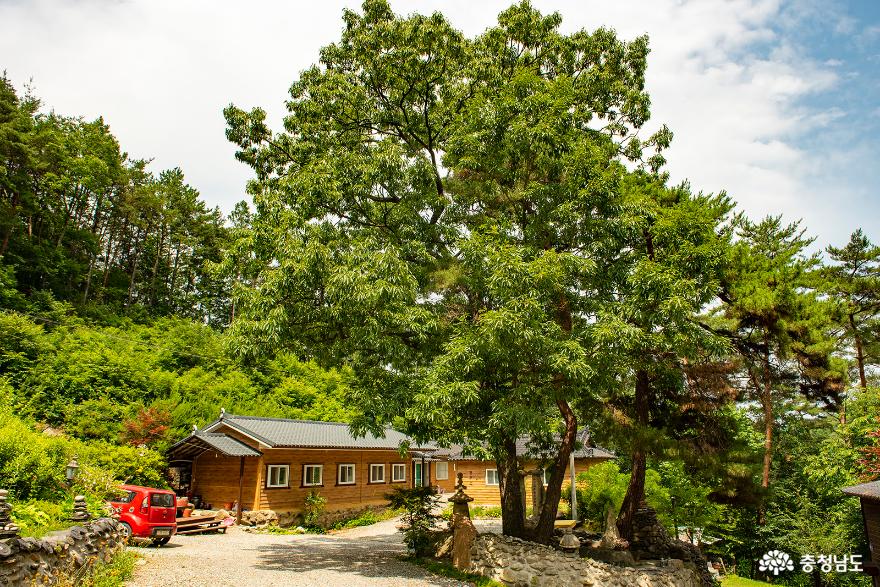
(367, 556)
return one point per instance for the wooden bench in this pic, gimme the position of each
(565, 524)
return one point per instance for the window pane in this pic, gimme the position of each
(162, 500)
(442, 471)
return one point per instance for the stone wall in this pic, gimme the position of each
(517, 563)
(27, 561)
(295, 518)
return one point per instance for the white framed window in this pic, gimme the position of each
(278, 476)
(377, 473)
(398, 472)
(441, 471)
(313, 475)
(346, 474)
(491, 476)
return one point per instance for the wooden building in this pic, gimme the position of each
(481, 476)
(273, 464)
(869, 497)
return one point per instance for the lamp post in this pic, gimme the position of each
(70, 472)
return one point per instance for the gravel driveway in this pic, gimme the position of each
(363, 556)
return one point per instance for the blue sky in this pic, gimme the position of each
(775, 101)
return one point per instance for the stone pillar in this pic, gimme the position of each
(8, 529)
(80, 509)
(537, 492)
(463, 531)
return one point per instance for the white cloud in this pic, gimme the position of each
(160, 71)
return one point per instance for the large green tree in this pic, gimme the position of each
(440, 213)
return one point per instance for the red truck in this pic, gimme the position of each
(145, 512)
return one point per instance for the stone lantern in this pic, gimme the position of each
(460, 500)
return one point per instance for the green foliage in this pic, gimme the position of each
(476, 511)
(734, 581)
(108, 574)
(418, 505)
(366, 518)
(32, 465)
(36, 518)
(128, 464)
(313, 508)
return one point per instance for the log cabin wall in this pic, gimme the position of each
(339, 497)
(215, 479)
(474, 477)
(871, 514)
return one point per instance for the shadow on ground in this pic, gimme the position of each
(374, 558)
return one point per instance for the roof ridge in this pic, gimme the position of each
(227, 415)
(268, 419)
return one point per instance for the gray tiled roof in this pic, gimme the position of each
(279, 433)
(198, 442)
(227, 445)
(587, 451)
(868, 490)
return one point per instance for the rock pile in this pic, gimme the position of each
(80, 509)
(8, 529)
(651, 541)
(26, 561)
(517, 562)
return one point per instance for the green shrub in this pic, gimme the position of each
(32, 465)
(38, 517)
(314, 507)
(128, 464)
(418, 505)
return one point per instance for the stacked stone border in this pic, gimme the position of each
(516, 562)
(32, 561)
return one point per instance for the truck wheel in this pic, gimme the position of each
(157, 542)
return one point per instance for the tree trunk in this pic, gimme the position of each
(860, 353)
(4, 246)
(544, 529)
(512, 512)
(767, 406)
(635, 492)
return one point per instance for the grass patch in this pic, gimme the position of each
(445, 569)
(365, 518)
(477, 512)
(734, 581)
(274, 528)
(112, 574)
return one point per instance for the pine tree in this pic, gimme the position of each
(853, 284)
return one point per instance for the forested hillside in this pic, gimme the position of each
(111, 316)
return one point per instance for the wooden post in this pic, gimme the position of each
(574, 503)
(240, 489)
